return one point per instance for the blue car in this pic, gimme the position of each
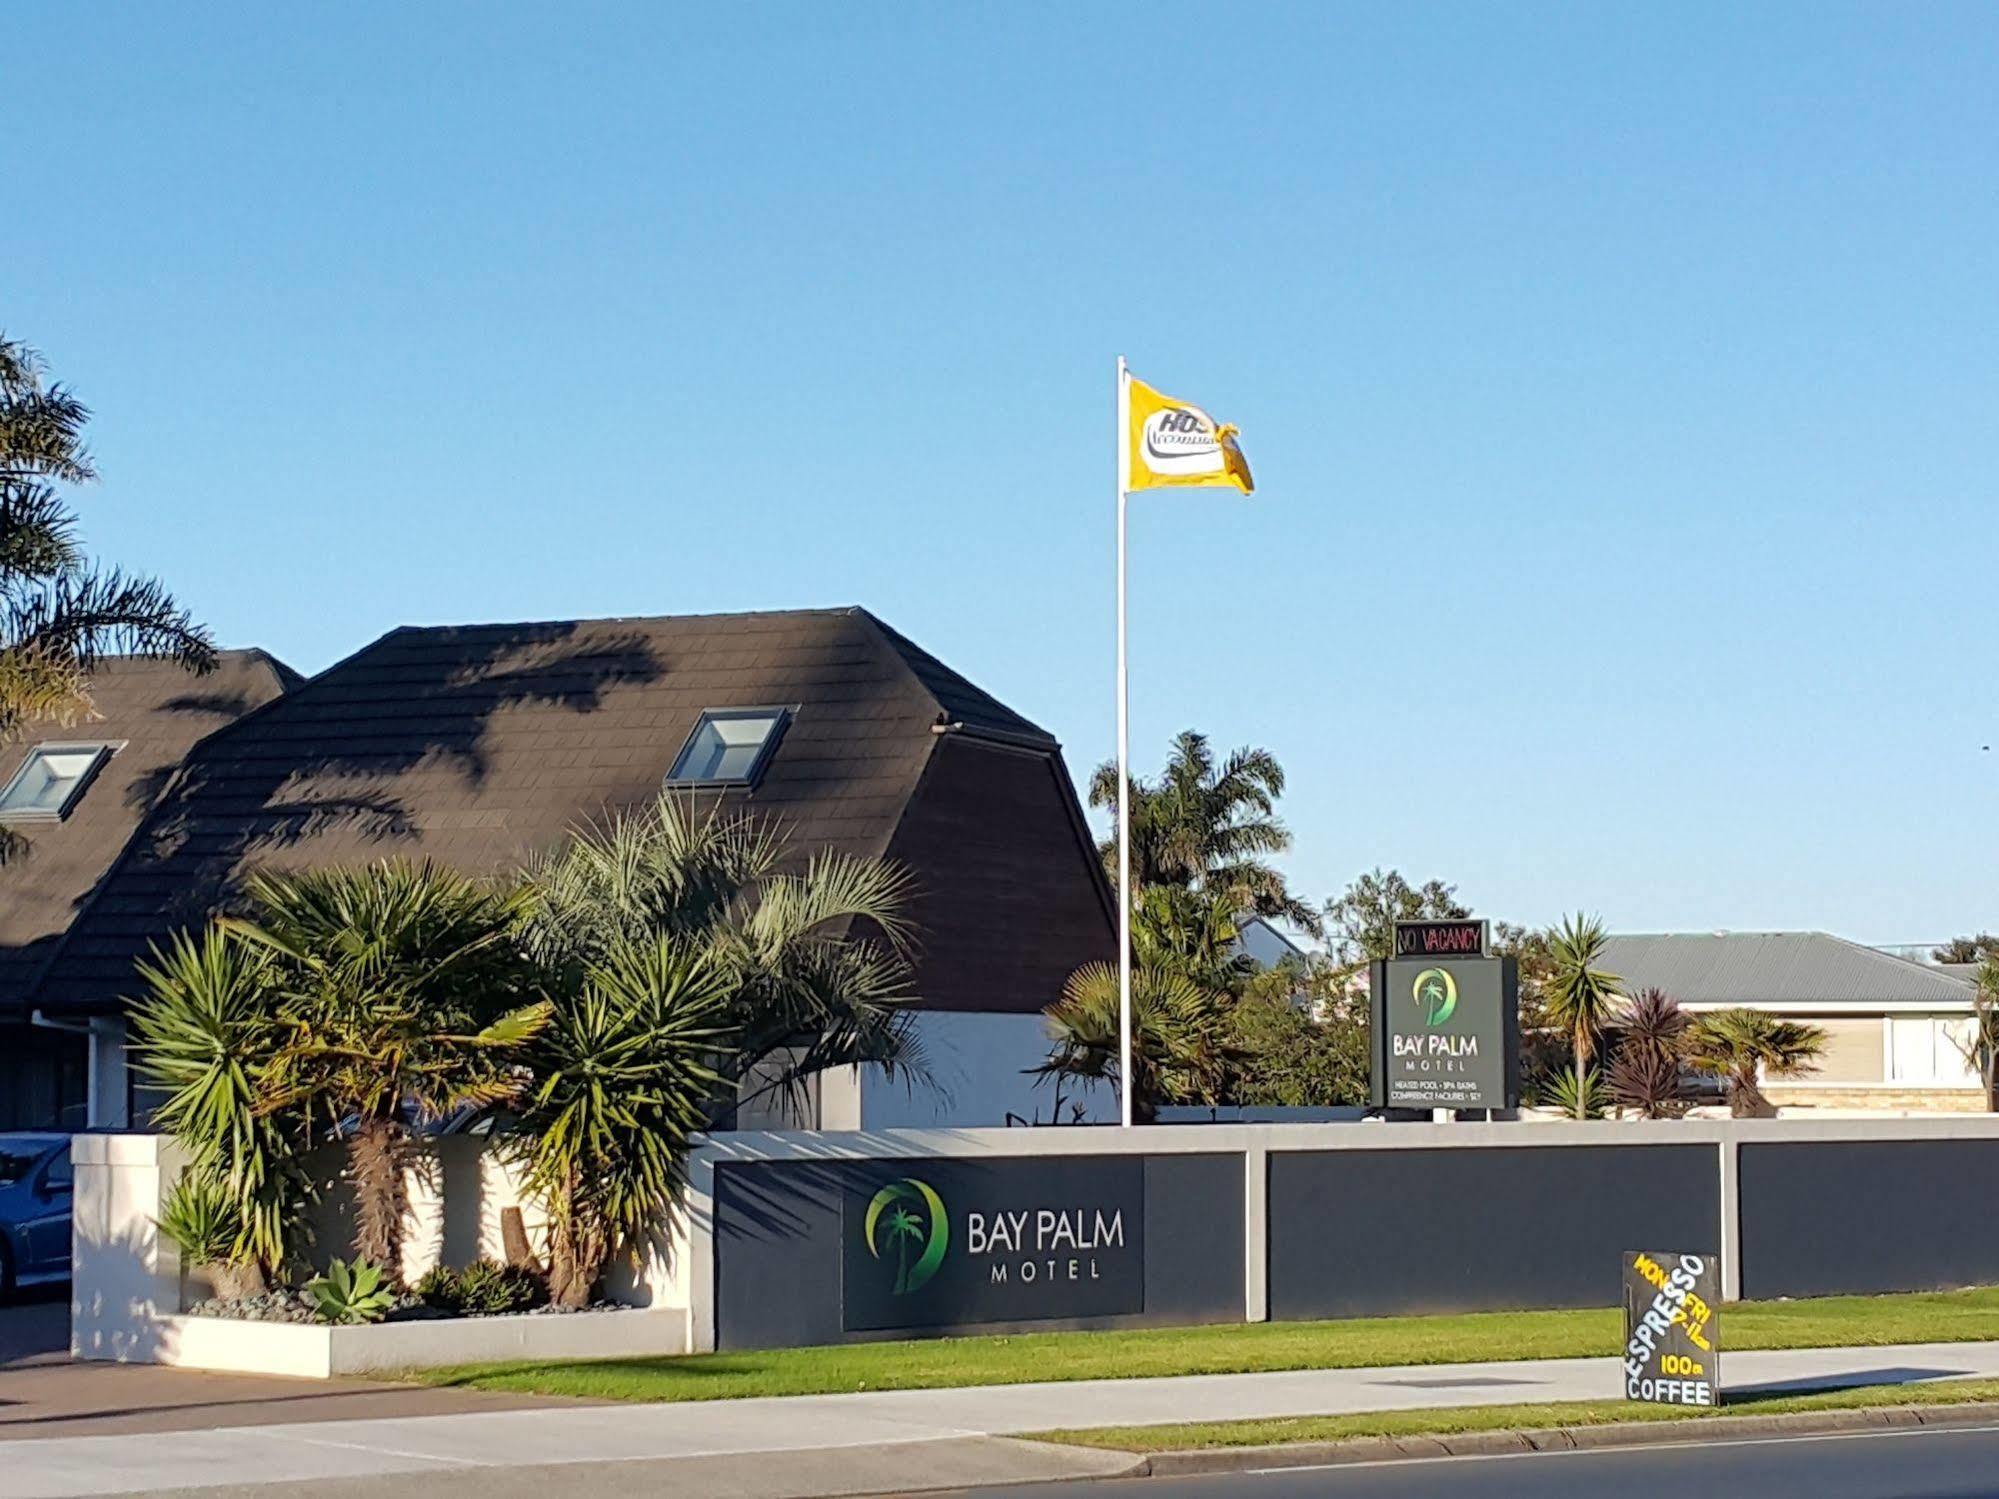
(35, 1191)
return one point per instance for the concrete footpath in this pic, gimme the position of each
(885, 1442)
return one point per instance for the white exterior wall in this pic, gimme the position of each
(1914, 1047)
(979, 1076)
(980, 1066)
(128, 1283)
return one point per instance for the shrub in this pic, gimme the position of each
(350, 1293)
(204, 1220)
(201, 1218)
(1577, 1092)
(1646, 1075)
(482, 1289)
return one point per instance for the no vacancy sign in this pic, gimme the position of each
(1672, 1328)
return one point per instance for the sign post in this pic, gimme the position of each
(1672, 1328)
(1446, 1031)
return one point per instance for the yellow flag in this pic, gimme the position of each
(1171, 442)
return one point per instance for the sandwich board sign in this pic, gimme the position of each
(1672, 1328)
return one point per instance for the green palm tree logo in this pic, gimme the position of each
(908, 1218)
(1437, 992)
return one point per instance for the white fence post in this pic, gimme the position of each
(1256, 1233)
(1731, 1219)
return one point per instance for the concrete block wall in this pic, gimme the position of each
(1375, 1219)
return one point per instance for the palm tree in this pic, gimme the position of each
(1648, 1073)
(58, 612)
(1182, 1043)
(814, 958)
(904, 1229)
(692, 964)
(1190, 933)
(397, 997)
(1209, 827)
(1580, 996)
(623, 1074)
(1745, 1046)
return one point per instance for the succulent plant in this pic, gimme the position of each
(350, 1293)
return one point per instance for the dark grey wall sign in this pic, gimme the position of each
(941, 1243)
(791, 1268)
(1446, 1033)
(1672, 1328)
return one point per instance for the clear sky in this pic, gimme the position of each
(1622, 385)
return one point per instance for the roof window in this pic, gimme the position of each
(729, 747)
(50, 780)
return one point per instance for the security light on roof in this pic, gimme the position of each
(49, 781)
(729, 747)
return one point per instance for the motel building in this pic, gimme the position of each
(482, 746)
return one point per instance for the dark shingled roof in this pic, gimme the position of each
(158, 712)
(482, 745)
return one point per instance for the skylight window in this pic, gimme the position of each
(729, 747)
(50, 780)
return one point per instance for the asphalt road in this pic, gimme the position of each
(1938, 1463)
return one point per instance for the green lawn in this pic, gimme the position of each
(1448, 1421)
(1933, 1317)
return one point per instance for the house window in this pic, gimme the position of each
(729, 747)
(1929, 1050)
(50, 780)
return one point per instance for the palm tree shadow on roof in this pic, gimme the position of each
(324, 761)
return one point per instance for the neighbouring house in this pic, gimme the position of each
(483, 745)
(1265, 945)
(70, 798)
(1895, 1028)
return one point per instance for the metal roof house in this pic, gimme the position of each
(480, 746)
(70, 798)
(1894, 1026)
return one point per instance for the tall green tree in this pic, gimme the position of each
(1210, 826)
(1361, 921)
(1311, 1055)
(59, 612)
(1581, 996)
(397, 995)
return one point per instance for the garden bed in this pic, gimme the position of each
(318, 1351)
(296, 1307)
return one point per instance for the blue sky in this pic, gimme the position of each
(1620, 384)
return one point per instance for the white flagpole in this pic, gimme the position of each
(1123, 766)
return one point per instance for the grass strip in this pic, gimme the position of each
(1826, 1322)
(1455, 1421)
